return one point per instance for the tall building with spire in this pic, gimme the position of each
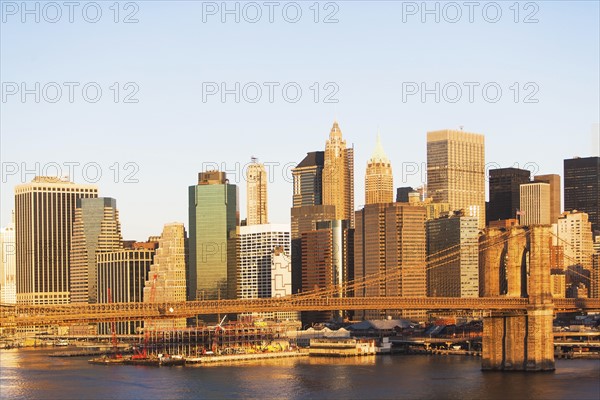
(256, 202)
(44, 214)
(96, 229)
(456, 171)
(338, 176)
(379, 181)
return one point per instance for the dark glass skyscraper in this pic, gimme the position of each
(402, 194)
(308, 187)
(504, 192)
(213, 215)
(582, 187)
(123, 272)
(307, 207)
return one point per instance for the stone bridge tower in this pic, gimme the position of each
(515, 262)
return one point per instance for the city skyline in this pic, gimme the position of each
(214, 223)
(171, 132)
(241, 180)
(225, 191)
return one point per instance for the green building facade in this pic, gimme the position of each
(213, 218)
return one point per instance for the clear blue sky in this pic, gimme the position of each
(368, 54)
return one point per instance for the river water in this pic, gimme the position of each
(31, 374)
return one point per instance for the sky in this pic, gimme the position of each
(138, 97)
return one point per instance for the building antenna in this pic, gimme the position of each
(461, 127)
(254, 160)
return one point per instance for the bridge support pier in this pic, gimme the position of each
(513, 342)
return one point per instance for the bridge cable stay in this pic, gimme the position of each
(591, 279)
(387, 276)
(379, 277)
(319, 292)
(434, 261)
(375, 278)
(363, 280)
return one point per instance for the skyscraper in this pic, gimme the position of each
(123, 272)
(535, 204)
(256, 203)
(505, 195)
(214, 216)
(281, 273)
(389, 241)
(305, 219)
(167, 275)
(327, 261)
(281, 281)
(308, 180)
(402, 194)
(554, 181)
(44, 214)
(8, 261)
(379, 181)
(573, 231)
(582, 187)
(595, 272)
(96, 229)
(558, 283)
(307, 208)
(338, 176)
(456, 171)
(256, 251)
(455, 240)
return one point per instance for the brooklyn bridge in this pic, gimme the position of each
(515, 297)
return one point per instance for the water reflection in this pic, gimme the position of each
(364, 360)
(32, 374)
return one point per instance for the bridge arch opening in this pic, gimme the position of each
(525, 273)
(502, 271)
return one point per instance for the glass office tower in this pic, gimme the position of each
(213, 218)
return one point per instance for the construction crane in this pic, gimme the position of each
(143, 354)
(218, 330)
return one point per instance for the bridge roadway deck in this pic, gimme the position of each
(26, 315)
